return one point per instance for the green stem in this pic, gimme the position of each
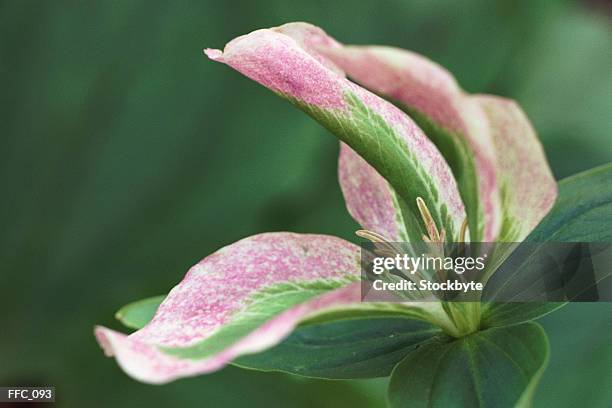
(465, 317)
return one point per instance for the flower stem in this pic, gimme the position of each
(465, 317)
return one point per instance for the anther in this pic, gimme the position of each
(386, 248)
(463, 230)
(433, 235)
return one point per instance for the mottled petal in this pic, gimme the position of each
(242, 299)
(148, 363)
(528, 186)
(452, 120)
(370, 199)
(285, 60)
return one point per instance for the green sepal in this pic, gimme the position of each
(137, 314)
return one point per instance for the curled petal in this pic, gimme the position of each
(527, 183)
(149, 363)
(242, 299)
(370, 199)
(455, 122)
(285, 60)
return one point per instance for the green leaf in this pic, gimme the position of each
(498, 367)
(354, 348)
(582, 213)
(137, 314)
(504, 314)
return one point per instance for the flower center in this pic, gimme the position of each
(434, 235)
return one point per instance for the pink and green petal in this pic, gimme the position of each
(155, 364)
(285, 60)
(369, 198)
(528, 187)
(451, 119)
(242, 299)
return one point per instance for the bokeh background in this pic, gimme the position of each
(126, 156)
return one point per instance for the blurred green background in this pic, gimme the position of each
(126, 156)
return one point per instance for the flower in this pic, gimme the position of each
(421, 168)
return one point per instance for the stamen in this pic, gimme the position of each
(433, 235)
(430, 224)
(386, 248)
(371, 235)
(463, 230)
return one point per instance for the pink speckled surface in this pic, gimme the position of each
(369, 198)
(289, 61)
(524, 172)
(277, 62)
(213, 289)
(427, 87)
(216, 288)
(285, 60)
(144, 362)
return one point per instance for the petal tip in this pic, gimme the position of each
(104, 341)
(213, 54)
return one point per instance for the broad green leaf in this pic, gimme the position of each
(354, 348)
(498, 367)
(137, 314)
(504, 314)
(583, 212)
